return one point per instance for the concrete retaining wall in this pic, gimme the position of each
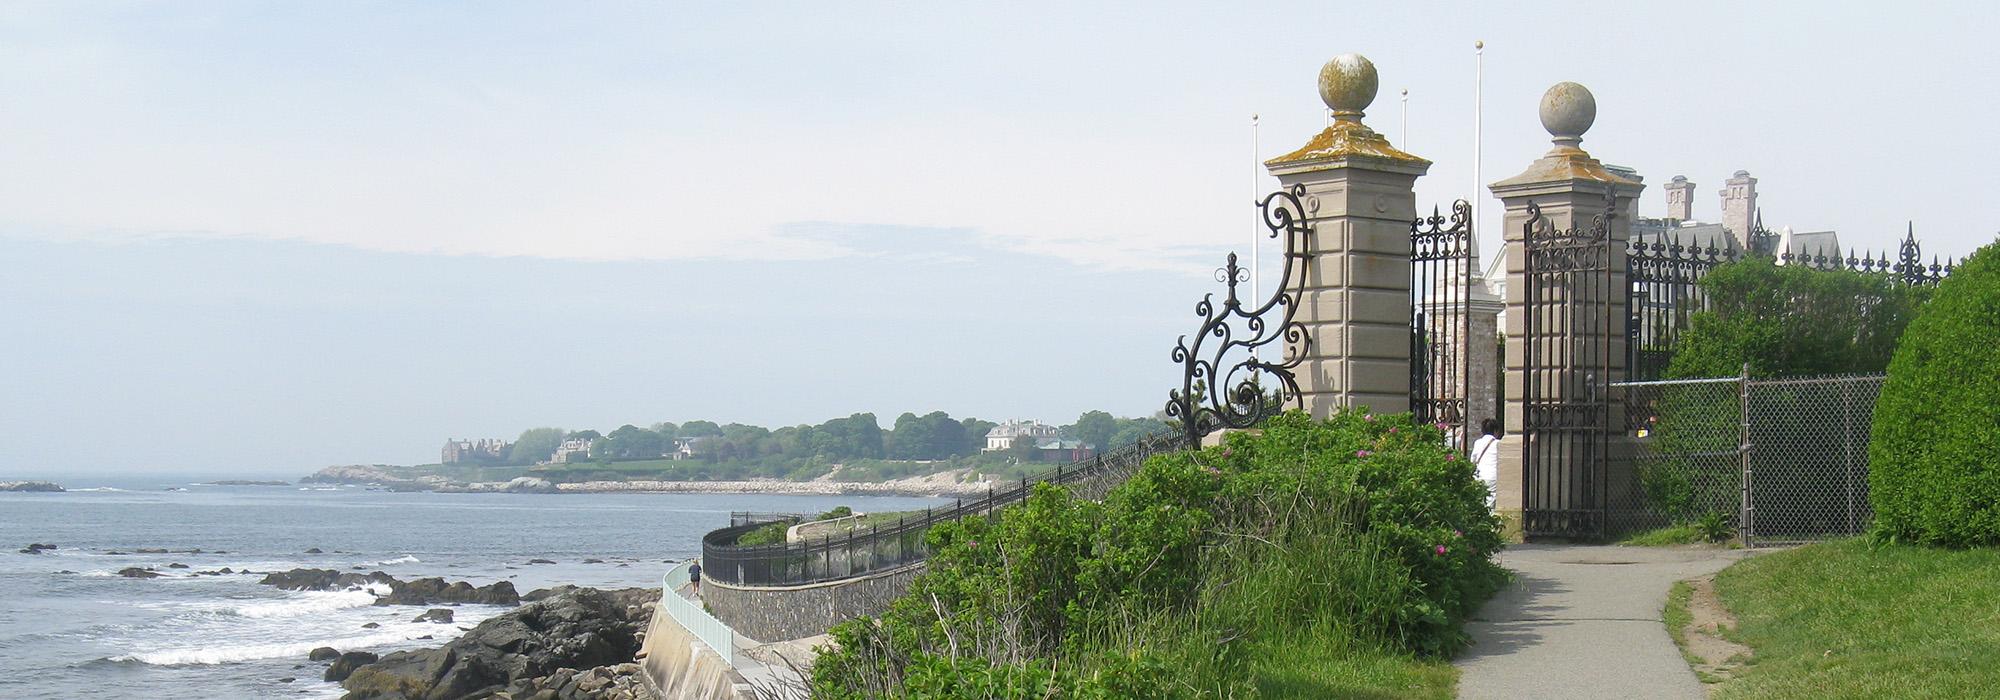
(771, 614)
(680, 666)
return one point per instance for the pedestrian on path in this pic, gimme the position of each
(694, 576)
(1486, 456)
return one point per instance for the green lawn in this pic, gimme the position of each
(1326, 665)
(1850, 620)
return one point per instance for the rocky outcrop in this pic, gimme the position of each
(136, 572)
(31, 486)
(37, 548)
(438, 615)
(522, 653)
(344, 665)
(359, 474)
(323, 654)
(620, 682)
(434, 591)
(324, 580)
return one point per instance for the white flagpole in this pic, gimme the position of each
(1478, 107)
(1406, 120)
(1256, 230)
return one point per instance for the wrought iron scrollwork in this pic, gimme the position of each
(1224, 377)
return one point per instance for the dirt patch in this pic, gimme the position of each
(1714, 657)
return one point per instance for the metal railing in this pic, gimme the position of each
(693, 618)
(861, 551)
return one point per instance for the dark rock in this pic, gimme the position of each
(224, 570)
(371, 625)
(541, 593)
(37, 548)
(540, 561)
(434, 591)
(427, 637)
(438, 615)
(346, 664)
(136, 572)
(323, 654)
(583, 628)
(286, 680)
(65, 571)
(177, 565)
(314, 550)
(151, 550)
(593, 561)
(324, 580)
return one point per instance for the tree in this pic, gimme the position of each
(1790, 320)
(699, 428)
(1024, 448)
(1094, 428)
(584, 435)
(911, 438)
(975, 435)
(667, 430)
(947, 436)
(535, 445)
(629, 442)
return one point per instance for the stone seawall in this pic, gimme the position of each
(679, 666)
(778, 613)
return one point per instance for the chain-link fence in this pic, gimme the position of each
(1776, 460)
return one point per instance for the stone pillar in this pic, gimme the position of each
(1360, 199)
(1571, 188)
(1482, 323)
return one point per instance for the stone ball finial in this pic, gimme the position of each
(1568, 110)
(1347, 85)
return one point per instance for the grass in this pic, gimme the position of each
(1677, 617)
(1665, 537)
(1851, 619)
(1328, 665)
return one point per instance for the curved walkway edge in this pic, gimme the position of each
(1583, 621)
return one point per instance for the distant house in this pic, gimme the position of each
(483, 450)
(1060, 450)
(1002, 436)
(689, 448)
(572, 450)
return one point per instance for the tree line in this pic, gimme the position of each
(932, 436)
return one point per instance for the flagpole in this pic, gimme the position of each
(1406, 119)
(1256, 236)
(1478, 107)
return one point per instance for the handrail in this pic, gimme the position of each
(892, 546)
(693, 618)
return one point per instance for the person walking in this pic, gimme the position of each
(1486, 456)
(694, 576)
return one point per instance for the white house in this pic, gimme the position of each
(1002, 436)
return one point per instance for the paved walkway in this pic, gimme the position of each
(1583, 621)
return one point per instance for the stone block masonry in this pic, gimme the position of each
(778, 613)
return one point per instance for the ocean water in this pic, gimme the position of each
(93, 633)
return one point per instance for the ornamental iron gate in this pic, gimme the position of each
(1441, 266)
(1566, 400)
(1223, 377)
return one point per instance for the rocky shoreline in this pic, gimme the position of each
(31, 487)
(562, 643)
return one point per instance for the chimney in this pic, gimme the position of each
(1739, 207)
(1680, 199)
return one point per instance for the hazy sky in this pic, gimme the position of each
(267, 237)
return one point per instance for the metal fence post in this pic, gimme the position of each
(1746, 521)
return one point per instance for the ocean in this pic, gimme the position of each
(73, 628)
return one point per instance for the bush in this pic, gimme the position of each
(773, 533)
(1362, 528)
(1792, 320)
(1933, 474)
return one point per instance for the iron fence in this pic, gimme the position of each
(1780, 460)
(864, 550)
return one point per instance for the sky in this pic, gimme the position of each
(262, 238)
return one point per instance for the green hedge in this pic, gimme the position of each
(1360, 528)
(1934, 456)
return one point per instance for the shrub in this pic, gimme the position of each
(1363, 527)
(1933, 477)
(1791, 320)
(773, 533)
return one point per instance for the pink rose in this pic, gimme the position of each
(1362, 453)
(1441, 550)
